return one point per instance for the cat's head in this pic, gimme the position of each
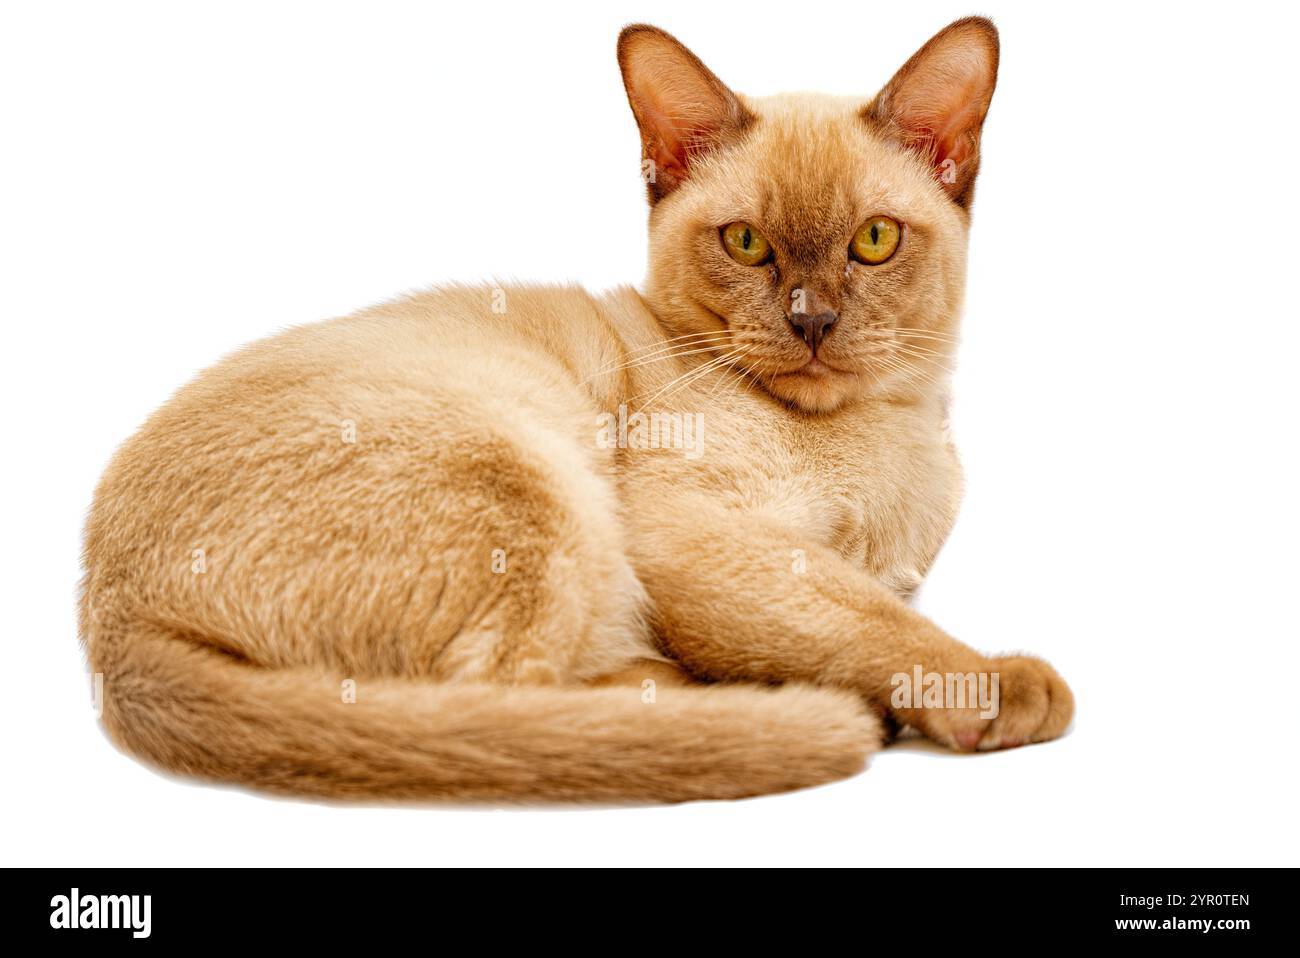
(817, 243)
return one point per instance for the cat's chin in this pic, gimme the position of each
(815, 387)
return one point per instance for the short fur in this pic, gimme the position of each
(380, 557)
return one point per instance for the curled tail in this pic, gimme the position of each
(193, 709)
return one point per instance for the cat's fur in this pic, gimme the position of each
(414, 499)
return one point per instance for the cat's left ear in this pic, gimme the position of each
(936, 103)
(683, 111)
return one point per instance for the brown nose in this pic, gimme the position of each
(813, 329)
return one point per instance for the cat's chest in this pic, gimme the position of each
(880, 487)
(889, 501)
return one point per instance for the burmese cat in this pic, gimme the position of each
(388, 556)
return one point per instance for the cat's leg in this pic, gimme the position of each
(550, 595)
(734, 596)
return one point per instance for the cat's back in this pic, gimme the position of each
(491, 341)
(352, 454)
(443, 364)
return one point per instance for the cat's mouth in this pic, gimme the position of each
(815, 367)
(813, 382)
(818, 367)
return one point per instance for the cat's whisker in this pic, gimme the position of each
(671, 355)
(704, 334)
(685, 340)
(936, 359)
(665, 349)
(711, 366)
(673, 339)
(898, 360)
(686, 378)
(740, 376)
(926, 350)
(908, 374)
(914, 349)
(921, 358)
(925, 334)
(913, 374)
(716, 365)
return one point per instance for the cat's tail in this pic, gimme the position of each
(193, 709)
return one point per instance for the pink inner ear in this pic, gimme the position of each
(938, 122)
(674, 140)
(680, 130)
(936, 103)
(668, 159)
(683, 110)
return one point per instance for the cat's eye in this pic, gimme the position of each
(876, 241)
(746, 245)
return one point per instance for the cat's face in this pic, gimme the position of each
(816, 243)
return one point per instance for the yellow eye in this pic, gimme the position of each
(876, 241)
(746, 245)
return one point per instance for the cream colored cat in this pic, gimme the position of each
(442, 548)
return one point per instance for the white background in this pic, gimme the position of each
(180, 179)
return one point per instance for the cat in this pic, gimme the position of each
(433, 549)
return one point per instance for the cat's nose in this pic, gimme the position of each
(813, 329)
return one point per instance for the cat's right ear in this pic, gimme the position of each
(682, 109)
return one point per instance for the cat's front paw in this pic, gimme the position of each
(1015, 701)
(1036, 704)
